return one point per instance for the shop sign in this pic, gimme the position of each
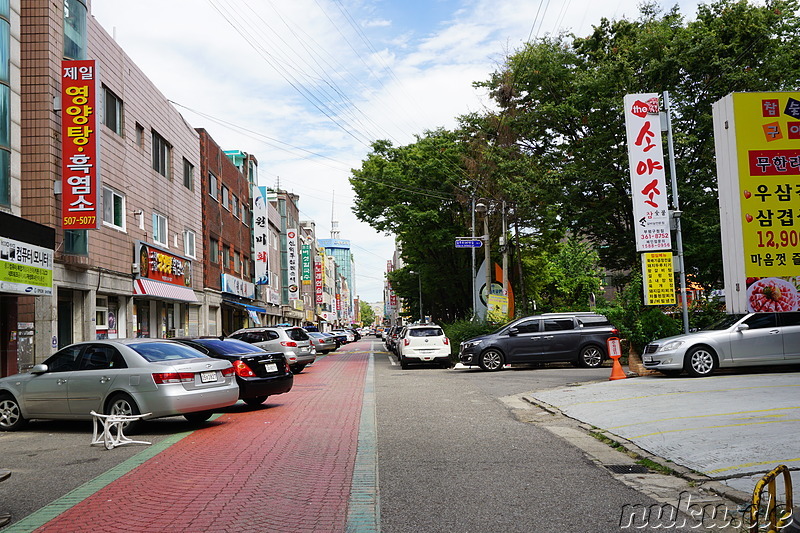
(318, 281)
(758, 159)
(79, 146)
(305, 262)
(648, 180)
(658, 276)
(261, 235)
(160, 265)
(292, 264)
(25, 268)
(237, 286)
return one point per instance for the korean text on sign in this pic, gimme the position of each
(648, 182)
(79, 168)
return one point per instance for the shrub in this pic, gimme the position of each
(462, 330)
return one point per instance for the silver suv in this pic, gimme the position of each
(292, 342)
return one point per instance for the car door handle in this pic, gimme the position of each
(774, 332)
(61, 381)
(105, 379)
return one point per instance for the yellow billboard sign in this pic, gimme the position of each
(658, 278)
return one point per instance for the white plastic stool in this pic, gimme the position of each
(112, 436)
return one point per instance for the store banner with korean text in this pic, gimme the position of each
(261, 235)
(305, 261)
(292, 278)
(80, 173)
(25, 268)
(319, 283)
(160, 265)
(648, 181)
(760, 199)
(658, 276)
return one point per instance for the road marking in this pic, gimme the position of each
(746, 465)
(750, 423)
(652, 421)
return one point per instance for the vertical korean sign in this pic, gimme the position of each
(658, 279)
(79, 145)
(305, 262)
(260, 236)
(318, 280)
(760, 199)
(292, 264)
(648, 181)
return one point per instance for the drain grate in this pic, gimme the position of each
(628, 469)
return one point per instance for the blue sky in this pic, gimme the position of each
(306, 85)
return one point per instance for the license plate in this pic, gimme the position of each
(271, 367)
(208, 377)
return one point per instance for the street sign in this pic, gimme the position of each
(468, 243)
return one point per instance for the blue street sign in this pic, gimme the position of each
(469, 243)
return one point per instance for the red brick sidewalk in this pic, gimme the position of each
(284, 468)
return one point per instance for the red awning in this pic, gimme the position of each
(156, 289)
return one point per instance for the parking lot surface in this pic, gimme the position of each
(733, 427)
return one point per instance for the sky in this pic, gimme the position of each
(307, 85)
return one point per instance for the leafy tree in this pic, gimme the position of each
(367, 313)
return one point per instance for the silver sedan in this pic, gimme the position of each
(122, 376)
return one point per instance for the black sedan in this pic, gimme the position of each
(259, 373)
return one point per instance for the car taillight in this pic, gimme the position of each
(227, 372)
(614, 332)
(406, 342)
(288, 368)
(241, 369)
(173, 377)
(446, 341)
(290, 344)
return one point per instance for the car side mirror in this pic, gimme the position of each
(39, 369)
(742, 327)
(513, 332)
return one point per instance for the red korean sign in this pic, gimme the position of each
(648, 180)
(318, 281)
(79, 146)
(160, 265)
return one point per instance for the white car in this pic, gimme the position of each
(423, 344)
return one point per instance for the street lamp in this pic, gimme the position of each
(483, 210)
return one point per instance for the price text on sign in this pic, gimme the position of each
(79, 162)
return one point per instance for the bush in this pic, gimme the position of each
(462, 330)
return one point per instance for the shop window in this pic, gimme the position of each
(101, 318)
(113, 209)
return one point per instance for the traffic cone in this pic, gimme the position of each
(616, 371)
(615, 352)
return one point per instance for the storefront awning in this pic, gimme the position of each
(156, 289)
(252, 308)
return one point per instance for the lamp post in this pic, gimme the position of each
(483, 210)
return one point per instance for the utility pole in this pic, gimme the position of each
(484, 210)
(504, 248)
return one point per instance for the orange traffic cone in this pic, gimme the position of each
(615, 352)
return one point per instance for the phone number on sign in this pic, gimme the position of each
(81, 221)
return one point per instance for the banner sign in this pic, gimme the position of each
(758, 159)
(305, 264)
(318, 281)
(25, 268)
(291, 263)
(160, 265)
(237, 286)
(658, 277)
(79, 146)
(648, 181)
(260, 235)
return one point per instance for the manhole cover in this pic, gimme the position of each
(628, 469)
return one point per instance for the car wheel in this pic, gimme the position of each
(11, 418)
(701, 361)
(198, 417)
(258, 400)
(591, 357)
(403, 362)
(296, 369)
(122, 404)
(491, 360)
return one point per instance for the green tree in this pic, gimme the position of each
(367, 313)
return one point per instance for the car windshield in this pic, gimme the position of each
(164, 351)
(228, 346)
(724, 323)
(425, 332)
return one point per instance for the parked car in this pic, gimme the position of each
(391, 337)
(423, 344)
(292, 342)
(323, 343)
(346, 334)
(259, 373)
(736, 340)
(122, 376)
(578, 338)
(340, 336)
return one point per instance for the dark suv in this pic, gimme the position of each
(578, 338)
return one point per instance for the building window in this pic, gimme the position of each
(112, 111)
(236, 262)
(161, 155)
(139, 135)
(226, 256)
(113, 209)
(188, 243)
(75, 29)
(213, 253)
(235, 206)
(76, 241)
(5, 105)
(160, 235)
(212, 186)
(224, 198)
(188, 175)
